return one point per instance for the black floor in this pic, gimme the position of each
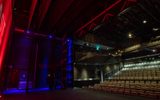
(73, 94)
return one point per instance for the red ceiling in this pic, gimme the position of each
(61, 17)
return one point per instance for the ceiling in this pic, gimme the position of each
(58, 17)
(119, 24)
(141, 20)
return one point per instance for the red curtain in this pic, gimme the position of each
(5, 25)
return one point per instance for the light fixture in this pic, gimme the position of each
(97, 47)
(130, 35)
(50, 36)
(87, 44)
(68, 40)
(28, 31)
(153, 50)
(155, 29)
(49, 75)
(144, 21)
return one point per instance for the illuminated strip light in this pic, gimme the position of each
(102, 13)
(135, 47)
(143, 63)
(19, 30)
(69, 69)
(132, 48)
(154, 43)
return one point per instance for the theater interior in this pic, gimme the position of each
(80, 49)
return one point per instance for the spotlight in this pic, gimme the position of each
(87, 44)
(130, 35)
(144, 21)
(153, 50)
(49, 75)
(28, 31)
(0, 96)
(50, 36)
(97, 47)
(68, 40)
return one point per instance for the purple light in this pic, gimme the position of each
(68, 40)
(50, 36)
(28, 31)
(23, 75)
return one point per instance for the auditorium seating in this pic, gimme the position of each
(144, 81)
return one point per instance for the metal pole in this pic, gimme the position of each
(101, 75)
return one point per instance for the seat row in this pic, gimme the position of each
(139, 74)
(144, 88)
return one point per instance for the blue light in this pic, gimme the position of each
(69, 66)
(58, 87)
(69, 76)
(69, 54)
(68, 40)
(18, 91)
(44, 73)
(69, 60)
(50, 36)
(23, 57)
(39, 89)
(14, 91)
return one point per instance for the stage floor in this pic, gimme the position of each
(71, 94)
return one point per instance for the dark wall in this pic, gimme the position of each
(84, 72)
(19, 61)
(31, 59)
(49, 57)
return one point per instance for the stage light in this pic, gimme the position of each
(49, 75)
(97, 47)
(130, 35)
(50, 36)
(87, 44)
(153, 50)
(68, 40)
(144, 21)
(69, 68)
(28, 31)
